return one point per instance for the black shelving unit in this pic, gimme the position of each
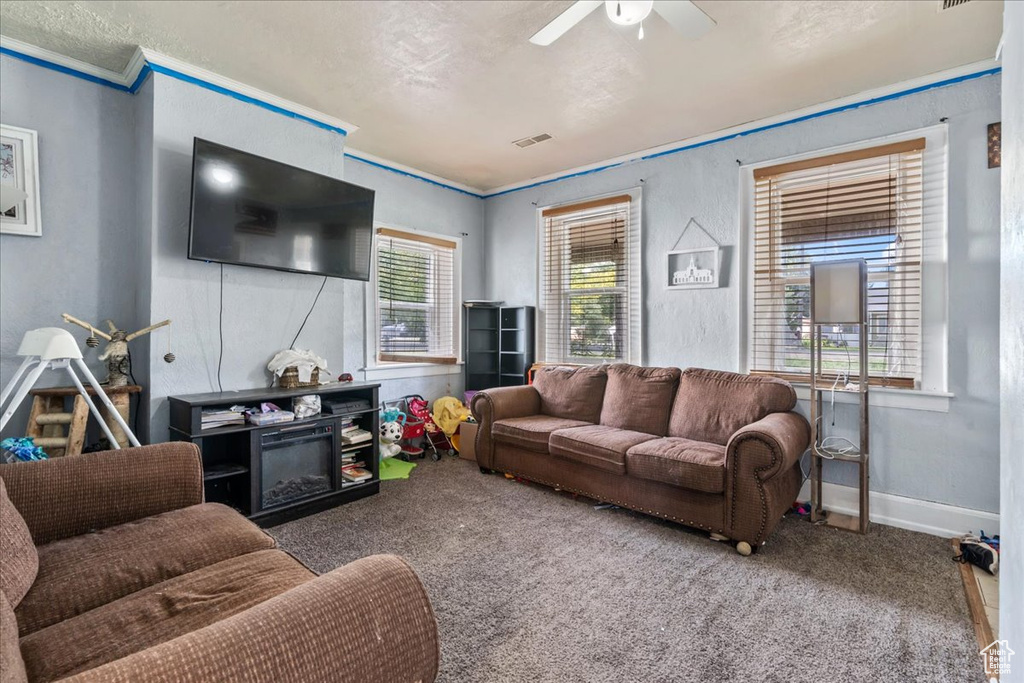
(499, 343)
(241, 463)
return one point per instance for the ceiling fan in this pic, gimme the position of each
(683, 15)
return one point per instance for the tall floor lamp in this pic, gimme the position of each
(839, 298)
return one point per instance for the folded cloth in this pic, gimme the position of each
(449, 413)
(303, 360)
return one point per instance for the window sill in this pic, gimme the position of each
(403, 370)
(887, 397)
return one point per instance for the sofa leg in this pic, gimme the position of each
(743, 548)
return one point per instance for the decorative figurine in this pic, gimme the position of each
(116, 354)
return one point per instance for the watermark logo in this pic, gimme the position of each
(997, 658)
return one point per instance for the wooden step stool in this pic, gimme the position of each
(47, 419)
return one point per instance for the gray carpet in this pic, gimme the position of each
(533, 585)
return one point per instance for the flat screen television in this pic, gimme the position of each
(251, 211)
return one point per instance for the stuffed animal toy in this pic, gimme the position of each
(390, 435)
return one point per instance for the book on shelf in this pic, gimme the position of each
(356, 436)
(356, 474)
(221, 418)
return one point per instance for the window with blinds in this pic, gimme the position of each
(864, 204)
(590, 281)
(415, 281)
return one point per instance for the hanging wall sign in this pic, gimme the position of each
(694, 268)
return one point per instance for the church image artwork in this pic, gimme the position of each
(693, 268)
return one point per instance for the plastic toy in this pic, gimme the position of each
(390, 435)
(24, 449)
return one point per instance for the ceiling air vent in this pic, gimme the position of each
(526, 142)
(950, 4)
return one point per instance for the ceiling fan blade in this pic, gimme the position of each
(565, 21)
(685, 17)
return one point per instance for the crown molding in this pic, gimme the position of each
(401, 169)
(146, 61)
(58, 62)
(175, 68)
(865, 98)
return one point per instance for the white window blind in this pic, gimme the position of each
(415, 298)
(867, 204)
(590, 281)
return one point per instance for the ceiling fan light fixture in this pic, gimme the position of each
(628, 12)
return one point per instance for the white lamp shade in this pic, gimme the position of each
(838, 292)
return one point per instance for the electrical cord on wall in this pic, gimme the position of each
(220, 328)
(306, 319)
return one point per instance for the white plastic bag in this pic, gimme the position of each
(306, 406)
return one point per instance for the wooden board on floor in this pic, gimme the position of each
(841, 521)
(982, 627)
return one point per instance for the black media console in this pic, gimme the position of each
(275, 473)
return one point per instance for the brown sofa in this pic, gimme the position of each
(713, 450)
(113, 569)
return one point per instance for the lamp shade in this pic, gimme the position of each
(837, 292)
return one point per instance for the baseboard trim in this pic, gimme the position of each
(937, 519)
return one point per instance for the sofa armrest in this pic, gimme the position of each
(73, 495)
(761, 475)
(769, 446)
(499, 404)
(367, 622)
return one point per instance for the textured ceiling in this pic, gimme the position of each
(447, 86)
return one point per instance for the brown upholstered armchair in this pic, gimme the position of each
(113, 569)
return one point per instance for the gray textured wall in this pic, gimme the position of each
(134, 194)
(404, 202)
(262, 308)
(1011, 599)
(84, 263)
(950, 458)
(115, 177)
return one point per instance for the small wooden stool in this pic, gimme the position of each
(47, 417)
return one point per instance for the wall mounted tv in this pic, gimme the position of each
(251, 211)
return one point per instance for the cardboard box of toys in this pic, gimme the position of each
(467, 440)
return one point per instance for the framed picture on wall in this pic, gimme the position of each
(19, 182)
(694, 268)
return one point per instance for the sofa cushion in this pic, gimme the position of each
(12, 665)
(597, 445)
(712, 405)
(572, 393)
(19, 561)
(639, 399)
(83, 572)
(160, 613)
(531, 433)
(685, 463)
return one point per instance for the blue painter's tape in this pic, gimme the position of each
(761, 129)
(412, 175)
(149, 68)
(563, 177)
(244, 98)
(829, 112)
(62, 69)
(144, 73)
